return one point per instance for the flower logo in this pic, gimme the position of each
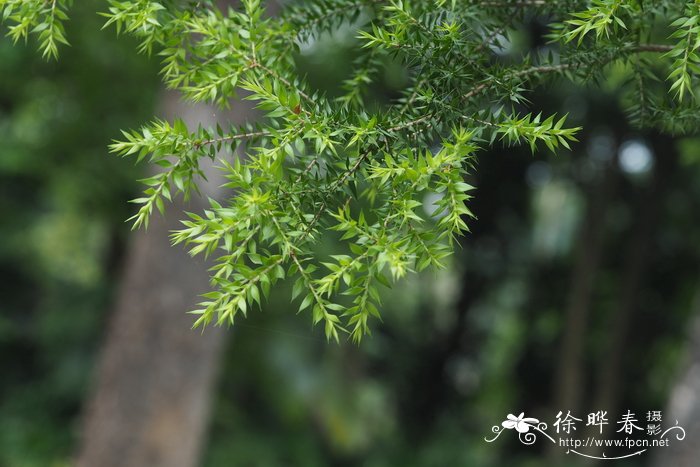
(521, 424)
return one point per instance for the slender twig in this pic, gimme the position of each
(223, 139)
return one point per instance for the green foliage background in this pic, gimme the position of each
(62, 230)
(458, 349)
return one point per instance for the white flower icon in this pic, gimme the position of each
(521, 424)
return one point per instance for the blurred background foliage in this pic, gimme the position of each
(458, 349)
(62, 230)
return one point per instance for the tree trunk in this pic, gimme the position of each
(151, 398)
(569, 377)
(649, 210)
(684, 406)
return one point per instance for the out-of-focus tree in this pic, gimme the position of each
(150, 404)
(62, 204)
(684, 406)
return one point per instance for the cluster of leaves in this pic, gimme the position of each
(600, 17)
(43, 18)
(686, 60)
(638, 28)
(389, 179)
